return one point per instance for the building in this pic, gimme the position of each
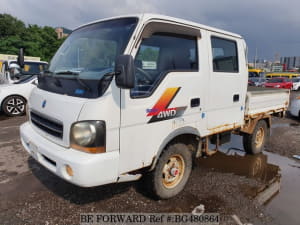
(62, 32)
(291, 62)
(276, 67)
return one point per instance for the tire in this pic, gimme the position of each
(14, 106)
(171, 173)
(255, 142)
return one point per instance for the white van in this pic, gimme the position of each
(11, 72)
(143, 95)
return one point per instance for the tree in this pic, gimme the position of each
(10, 26)
(37, 41)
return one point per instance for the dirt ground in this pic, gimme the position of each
(30, 194)
(285, 133)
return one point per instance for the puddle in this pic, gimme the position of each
(251, 166)
(283, 207)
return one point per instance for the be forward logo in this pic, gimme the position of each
(160, 110)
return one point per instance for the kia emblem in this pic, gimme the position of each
(44, 104)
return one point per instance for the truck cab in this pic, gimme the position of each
(136, 96)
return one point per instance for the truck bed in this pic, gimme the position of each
(266, 101)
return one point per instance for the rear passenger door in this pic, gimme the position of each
(227, 82)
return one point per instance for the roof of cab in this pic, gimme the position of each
(148, 16)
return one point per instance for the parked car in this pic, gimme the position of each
(258, 81)
(296, 84)
(279, 82)
(13, 97)
(11, 72)
(295, 107)
(250, 82)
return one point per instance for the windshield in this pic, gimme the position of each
(86, 56)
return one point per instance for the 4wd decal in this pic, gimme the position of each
(160, 110)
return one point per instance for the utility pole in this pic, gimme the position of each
(255, 58)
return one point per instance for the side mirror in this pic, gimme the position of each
(21, 58)
(125, 72)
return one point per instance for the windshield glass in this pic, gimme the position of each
(87, 55)
(93, 48)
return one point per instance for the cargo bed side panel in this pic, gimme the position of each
(266, 101)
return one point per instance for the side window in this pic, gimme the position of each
(225, 57)
(159, 54)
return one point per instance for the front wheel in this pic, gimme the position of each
(255, 142)
(171, 172)
(14, 106)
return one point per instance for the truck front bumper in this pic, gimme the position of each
(88, 169)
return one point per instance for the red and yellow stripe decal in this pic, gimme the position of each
(164, 101)
(160, 110)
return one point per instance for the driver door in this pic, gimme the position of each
(166, 73)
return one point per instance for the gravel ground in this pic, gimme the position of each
(285, 135)
(50, 200)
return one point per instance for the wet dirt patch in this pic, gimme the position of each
(285, 137)
(47, 197)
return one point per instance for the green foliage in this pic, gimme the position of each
(148, 54)
(36, 41)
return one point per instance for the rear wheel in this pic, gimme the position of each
(171, 172)
(255, 142)
(14, 106)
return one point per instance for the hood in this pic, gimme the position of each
(2, 86)
(53, 109)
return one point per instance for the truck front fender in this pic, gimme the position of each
(171, 137)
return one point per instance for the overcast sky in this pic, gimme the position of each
(271, 26)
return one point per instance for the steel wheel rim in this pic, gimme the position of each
(259, 138)
(173, 171)
(15, 106)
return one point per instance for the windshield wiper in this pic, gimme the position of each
(67, 72)
(76, 74)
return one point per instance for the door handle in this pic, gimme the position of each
(195, 102)
(236, 98)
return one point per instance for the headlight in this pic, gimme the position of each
(277, 86)
(88, 136)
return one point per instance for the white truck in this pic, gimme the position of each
(144, 95)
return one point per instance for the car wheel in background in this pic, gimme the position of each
(14, 106)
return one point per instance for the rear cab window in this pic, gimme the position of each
(225, 55)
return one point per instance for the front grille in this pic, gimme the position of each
(52, 127)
